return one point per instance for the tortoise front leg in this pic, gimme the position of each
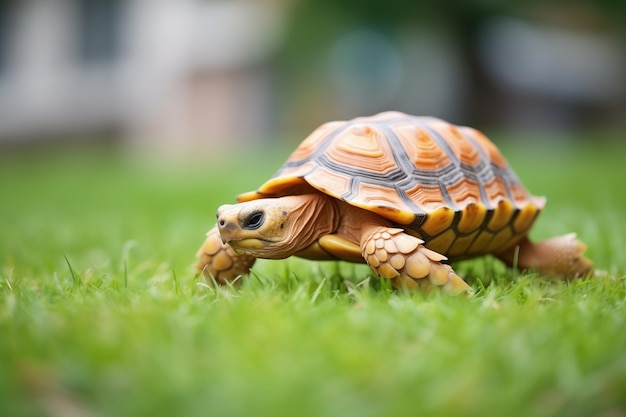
(219, 260)
(393, 254)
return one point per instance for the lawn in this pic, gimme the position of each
(102, 314)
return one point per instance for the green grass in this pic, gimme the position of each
(101, 313)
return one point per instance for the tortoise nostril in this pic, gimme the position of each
(222, 223)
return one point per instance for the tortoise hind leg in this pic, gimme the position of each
(560, 257)
(219, 260)
(394, 254)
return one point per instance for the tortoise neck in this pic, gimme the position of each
(356, 221)
(319, 215)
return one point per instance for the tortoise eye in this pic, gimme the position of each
(253, 221)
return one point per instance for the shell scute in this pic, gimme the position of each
(438, 221)
(481, 242)
(421, 148)
(313, 142)
(465, 192)
(473, 217)
(461, 147)
(362, 146)
(461, 244)
(525, 218)
(501, 241)
(335, 183)
(442, 242)
(487, 146)
(495, 189)
(502, 215)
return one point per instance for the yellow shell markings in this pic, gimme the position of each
(462, 244)
(438, 220)
(472, 218)
(442, 242)
(289, 182)
(502, 240)
(471, 232)
(525, 218)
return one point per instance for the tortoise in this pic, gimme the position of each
(402, 193)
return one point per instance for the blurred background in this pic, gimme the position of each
(189, 75)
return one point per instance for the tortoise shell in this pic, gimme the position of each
(446, 184)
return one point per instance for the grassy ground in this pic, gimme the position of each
(101, 313)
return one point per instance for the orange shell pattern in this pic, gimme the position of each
(446, 184)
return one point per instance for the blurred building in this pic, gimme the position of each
(547, 65)
(182, 74)
(568, 75)
(175, 72)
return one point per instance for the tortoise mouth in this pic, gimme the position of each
(243, 246)
(260, 248)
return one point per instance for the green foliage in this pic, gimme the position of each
(102, 314)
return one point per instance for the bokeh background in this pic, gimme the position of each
(190, 75)
(101, 309)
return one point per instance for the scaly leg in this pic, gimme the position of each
(220, 261)
(560, 257)
(393, 254)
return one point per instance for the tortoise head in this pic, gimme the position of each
(275, 228)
